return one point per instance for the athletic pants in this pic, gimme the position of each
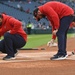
(62, 34)
(11, 43)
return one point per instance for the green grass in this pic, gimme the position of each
(70, 35)
(37, 40)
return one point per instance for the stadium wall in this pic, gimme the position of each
(47, 31)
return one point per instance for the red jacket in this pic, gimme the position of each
(54, 11)
(13, 26)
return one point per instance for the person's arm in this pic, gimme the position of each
(52, 16)
(54, 19)
(1, 32)
(52, 41)
(53, 36)
(16, 24)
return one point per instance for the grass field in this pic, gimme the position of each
(37, 40)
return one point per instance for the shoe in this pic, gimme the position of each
(8, 58)
(58, 57)
(55, 54)
(16, 53)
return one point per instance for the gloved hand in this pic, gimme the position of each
(51, 43)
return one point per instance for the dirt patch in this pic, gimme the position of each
(40, 67)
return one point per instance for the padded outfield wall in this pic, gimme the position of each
(47, 31)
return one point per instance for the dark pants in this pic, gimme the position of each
(11, 43)
(62, 34)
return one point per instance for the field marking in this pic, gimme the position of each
(14, 61)
(24, 57)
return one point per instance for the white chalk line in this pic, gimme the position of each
(23, 57)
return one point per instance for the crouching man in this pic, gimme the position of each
(14, 36)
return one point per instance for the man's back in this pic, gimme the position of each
(60, 8)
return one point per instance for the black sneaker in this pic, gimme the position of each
(8, 58)
(56, 54)
(16, 53)
(59, 57)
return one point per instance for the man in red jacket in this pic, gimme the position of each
(52, 42)
(60, 16)
(14, 36)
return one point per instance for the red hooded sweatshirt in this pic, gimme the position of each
(54, 11)
(13, 26)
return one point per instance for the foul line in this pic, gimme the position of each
(28, 57)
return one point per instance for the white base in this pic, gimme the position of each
(53, 45)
